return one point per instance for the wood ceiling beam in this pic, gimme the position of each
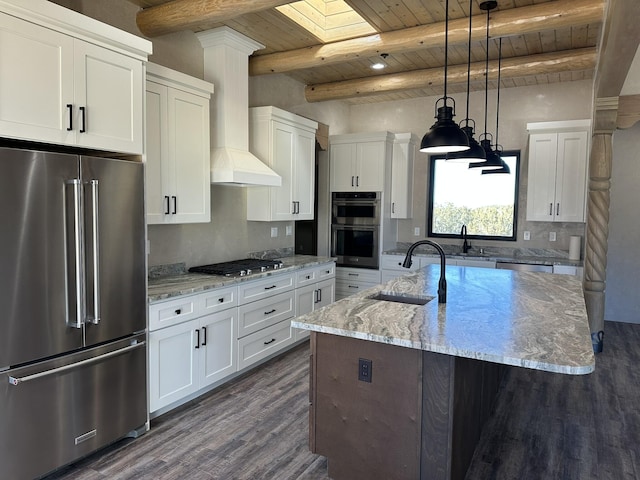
(179, 15)
(546, 63)
(504, 23)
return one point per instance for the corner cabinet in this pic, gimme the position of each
(70, 80)
(178, 147)
(360, 161)
(557, 171)
(286, 143)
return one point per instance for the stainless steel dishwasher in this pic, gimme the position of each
(524, 267)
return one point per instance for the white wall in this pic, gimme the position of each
(622, 302)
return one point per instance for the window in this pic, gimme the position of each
(486, 204)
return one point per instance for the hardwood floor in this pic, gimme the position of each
(544, 426)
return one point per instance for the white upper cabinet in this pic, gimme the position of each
(557, 171)
(360, 162)
(178, 147)
(404, 151)
(69, 91)
(285, 142)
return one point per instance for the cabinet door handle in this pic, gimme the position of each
(357, 180)
(70, 108)
(204, 336)
(293, 208)
(352, 181)
(197, 338)
(269, 288)
(270, 341)
(166, 199)
(83, 128)
(551, 208)
(558, 208)
(393, 207)
(273, 310)
(175, 204)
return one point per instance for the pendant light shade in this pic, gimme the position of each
(475, 152)
(493, 161)
(445, 135)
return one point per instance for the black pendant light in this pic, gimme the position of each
(445, 135)
(498, 148)
(492, 160)
(475, 152)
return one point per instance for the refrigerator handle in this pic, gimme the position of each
(95, 252)
(77, 304)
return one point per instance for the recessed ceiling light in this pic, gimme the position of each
(378, 66)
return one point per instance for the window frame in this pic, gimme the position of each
(432, 171)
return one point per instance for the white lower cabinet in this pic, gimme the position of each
(190, 356)
(196, 341)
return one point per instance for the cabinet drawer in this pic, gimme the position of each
(394, 262)
(346, 288)
(358, 275)
(219, 299)
(259, 345)
(311, 275)
(263, 313)
(256, 290)
(172, 312)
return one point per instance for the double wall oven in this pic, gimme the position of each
(355, 228)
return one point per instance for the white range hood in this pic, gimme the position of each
(226, 65)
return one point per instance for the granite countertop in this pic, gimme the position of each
(169, 286)
(533, 320)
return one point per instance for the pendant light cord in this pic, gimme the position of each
(498, 95)
(446, 48)
(486, 80)
(469, 60)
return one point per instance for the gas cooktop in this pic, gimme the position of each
(239, 268)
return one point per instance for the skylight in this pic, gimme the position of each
(327, 20)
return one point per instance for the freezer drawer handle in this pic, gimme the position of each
(18, 380)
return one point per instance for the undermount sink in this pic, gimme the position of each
(398, 298)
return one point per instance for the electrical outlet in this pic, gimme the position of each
(364, 370)
(289, 230)
(416, 231)
(274, 232)
(552, 236)
(527, 235)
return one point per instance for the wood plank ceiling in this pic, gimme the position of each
(544, 41)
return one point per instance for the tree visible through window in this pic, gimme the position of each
(486, 204)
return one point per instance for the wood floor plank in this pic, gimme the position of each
(543, 426)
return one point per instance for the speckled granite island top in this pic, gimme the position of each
(533, 320)
(188, 283)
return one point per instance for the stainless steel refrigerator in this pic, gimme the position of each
(72, 307)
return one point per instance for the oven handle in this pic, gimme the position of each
(357, 203)
(368, 228)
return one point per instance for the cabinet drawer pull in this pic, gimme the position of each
(178, 311)
(270, 341)
(269, 288)
(70, 108)
(83, 128)
(270, 311)
(353, 286)
(354, 274)
(221, 300)
(197, 338)
(308, 277)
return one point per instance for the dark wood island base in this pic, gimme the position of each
(420, 416)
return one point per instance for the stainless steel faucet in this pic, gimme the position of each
(466, 246)
(442, 283)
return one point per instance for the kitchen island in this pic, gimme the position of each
(402, 390)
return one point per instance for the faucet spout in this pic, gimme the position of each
(466, 246)
(442, 283)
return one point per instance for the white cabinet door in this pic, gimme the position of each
(284, 138)
(343, 167)
(557, 177)
(173, 364)
(177, 155)
(108, 95)
(305, 176)
(370, 163)
(36, 66)
(312, 297)
(571, 177)
(157, 168)
(188, 132)
(218, 342)
(402, 176)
